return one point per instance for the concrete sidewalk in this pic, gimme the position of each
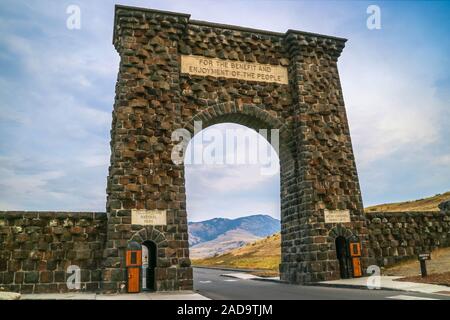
(183, 295)
(248, 276)
(388, 283)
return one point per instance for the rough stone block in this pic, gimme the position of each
(31, 277)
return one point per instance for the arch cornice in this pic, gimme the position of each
(150, 233)
(340, 231)
(253, 116)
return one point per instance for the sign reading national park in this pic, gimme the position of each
(337, 216)
(149, 217)
(250, 71)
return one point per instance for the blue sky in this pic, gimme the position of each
(57, 91)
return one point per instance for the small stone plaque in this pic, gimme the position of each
(250, 71)
(337, 216)
(149, 217)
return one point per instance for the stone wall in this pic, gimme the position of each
(397, 236)
(154, 98)
(36, 248)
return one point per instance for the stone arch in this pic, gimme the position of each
(258, 116)
(252, 116)
(150, 233)
(340, 231)
(155, 96)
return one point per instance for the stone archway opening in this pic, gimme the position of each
(149, 258)
(233, 180)
(342, 257)
(294, 88)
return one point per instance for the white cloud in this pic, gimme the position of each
(392, 109)
(223, 178)
(443, 160)
(57, 92)
(230, 190)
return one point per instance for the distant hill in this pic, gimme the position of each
(265, 253)
(262, 254)
(426, 204)
(225, 242)
(215, 236)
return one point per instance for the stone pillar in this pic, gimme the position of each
(142, 174)
(326, 170)
(318, 170)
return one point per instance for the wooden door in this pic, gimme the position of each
(357, 269)
(133, 279)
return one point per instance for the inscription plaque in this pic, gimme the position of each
(149, 217)
(337, 216)
(250, 71)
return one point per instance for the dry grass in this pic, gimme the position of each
(263, 255)
(266, 274)
(427, 204)
(442, 279)
(437, 266)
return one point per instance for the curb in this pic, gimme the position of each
(229, 269)
(350, 286)
(257, 278)
(361, 287)
(270, 280)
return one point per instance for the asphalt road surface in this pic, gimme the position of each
(211, 284)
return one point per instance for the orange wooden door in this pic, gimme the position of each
(133, 279)
(357, 270)
(134, 258)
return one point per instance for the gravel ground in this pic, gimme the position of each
(438, 269)
(439, 263)
(437, 278)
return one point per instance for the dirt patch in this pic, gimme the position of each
(266, 274)
(263, 254)
(440, 279)
(439, 264)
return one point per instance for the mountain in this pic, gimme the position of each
(426, 204)
(258, 225)
(262, 254)
(215, 236)
(225, 242)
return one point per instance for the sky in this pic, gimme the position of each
(57, 91)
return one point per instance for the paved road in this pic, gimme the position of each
(211, 284)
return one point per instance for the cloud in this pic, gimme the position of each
(57, 92)
(391, 109)
(56, 98)
(210, 187)
(228, 178)
(443, 160)
(397, 111)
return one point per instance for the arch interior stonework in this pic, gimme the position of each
(154, 98)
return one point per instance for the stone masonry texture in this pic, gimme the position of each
(36, 248)
(153, 99)
(398, 236)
